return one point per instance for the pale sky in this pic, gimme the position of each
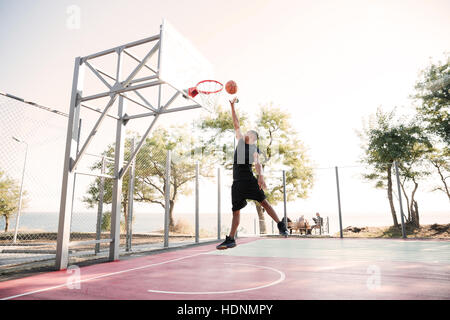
(328, 63)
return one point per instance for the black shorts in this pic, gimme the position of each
(241, 190)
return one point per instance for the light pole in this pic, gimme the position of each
(21, 190)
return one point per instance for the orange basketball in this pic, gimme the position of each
(231, 87)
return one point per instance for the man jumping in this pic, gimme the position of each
(245, 185)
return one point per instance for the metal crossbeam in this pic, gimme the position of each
(95, 175)
(126, 46)
(121, 89)
(149, 114)
(141, 143)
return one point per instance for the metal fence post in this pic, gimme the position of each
(197, 195)
(130, 199)
(219, 222)
(400, 200)
(339, 202)
(167, 201)
(16, 229)
(100, 206)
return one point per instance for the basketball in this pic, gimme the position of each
(231, 87)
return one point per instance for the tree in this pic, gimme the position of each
(278, 143)
(433, 94)
(412, 170)
(440, 160)
(9, 198)
(387, 140)
(217, 135)
(150, 163)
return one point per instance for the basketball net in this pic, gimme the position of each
(209, 92)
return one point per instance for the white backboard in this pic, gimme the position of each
(181, 65)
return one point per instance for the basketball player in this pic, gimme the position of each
(245, 184)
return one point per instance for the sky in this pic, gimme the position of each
(329, 63)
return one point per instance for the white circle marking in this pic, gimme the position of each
(280, 279)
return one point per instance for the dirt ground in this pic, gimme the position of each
(431, 231)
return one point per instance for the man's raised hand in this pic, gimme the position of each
(232, 102)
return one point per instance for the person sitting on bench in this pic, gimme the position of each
(318, 220)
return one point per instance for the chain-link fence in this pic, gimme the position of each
(341, 199)
(31, 138)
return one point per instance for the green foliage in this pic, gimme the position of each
(106, 223)
(222, 120)
(217, 135)
(387, 140)
(278, 143)
(150, 166)
(9, 197)
(282, 148)
(433, 93)
(440, 161)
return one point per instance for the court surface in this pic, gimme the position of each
(258, 268)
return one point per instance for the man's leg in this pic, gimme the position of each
(229, 240)
(270, 211)
(235, 223)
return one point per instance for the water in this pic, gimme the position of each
(145, 222)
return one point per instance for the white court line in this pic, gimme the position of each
(98, 277)
(282, 277)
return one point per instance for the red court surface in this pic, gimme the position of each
(258, 269)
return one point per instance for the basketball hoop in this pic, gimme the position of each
(208, 91)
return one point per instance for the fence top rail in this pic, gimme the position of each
(34, 104)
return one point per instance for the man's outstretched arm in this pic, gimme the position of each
(237, 128)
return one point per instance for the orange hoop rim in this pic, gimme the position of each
(209, 92)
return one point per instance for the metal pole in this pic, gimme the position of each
(62, 245)
(328, 225)
(219, 225)
(130, 199)
(400, 200)
(284, 197)
(21, 194)
(101, 192)
(273, 231)
(339, 202)
(116, 204)
(167, 201)
(197, 196)
(75, 174)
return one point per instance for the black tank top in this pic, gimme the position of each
(243, 160)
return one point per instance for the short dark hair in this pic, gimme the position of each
(255, 133)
